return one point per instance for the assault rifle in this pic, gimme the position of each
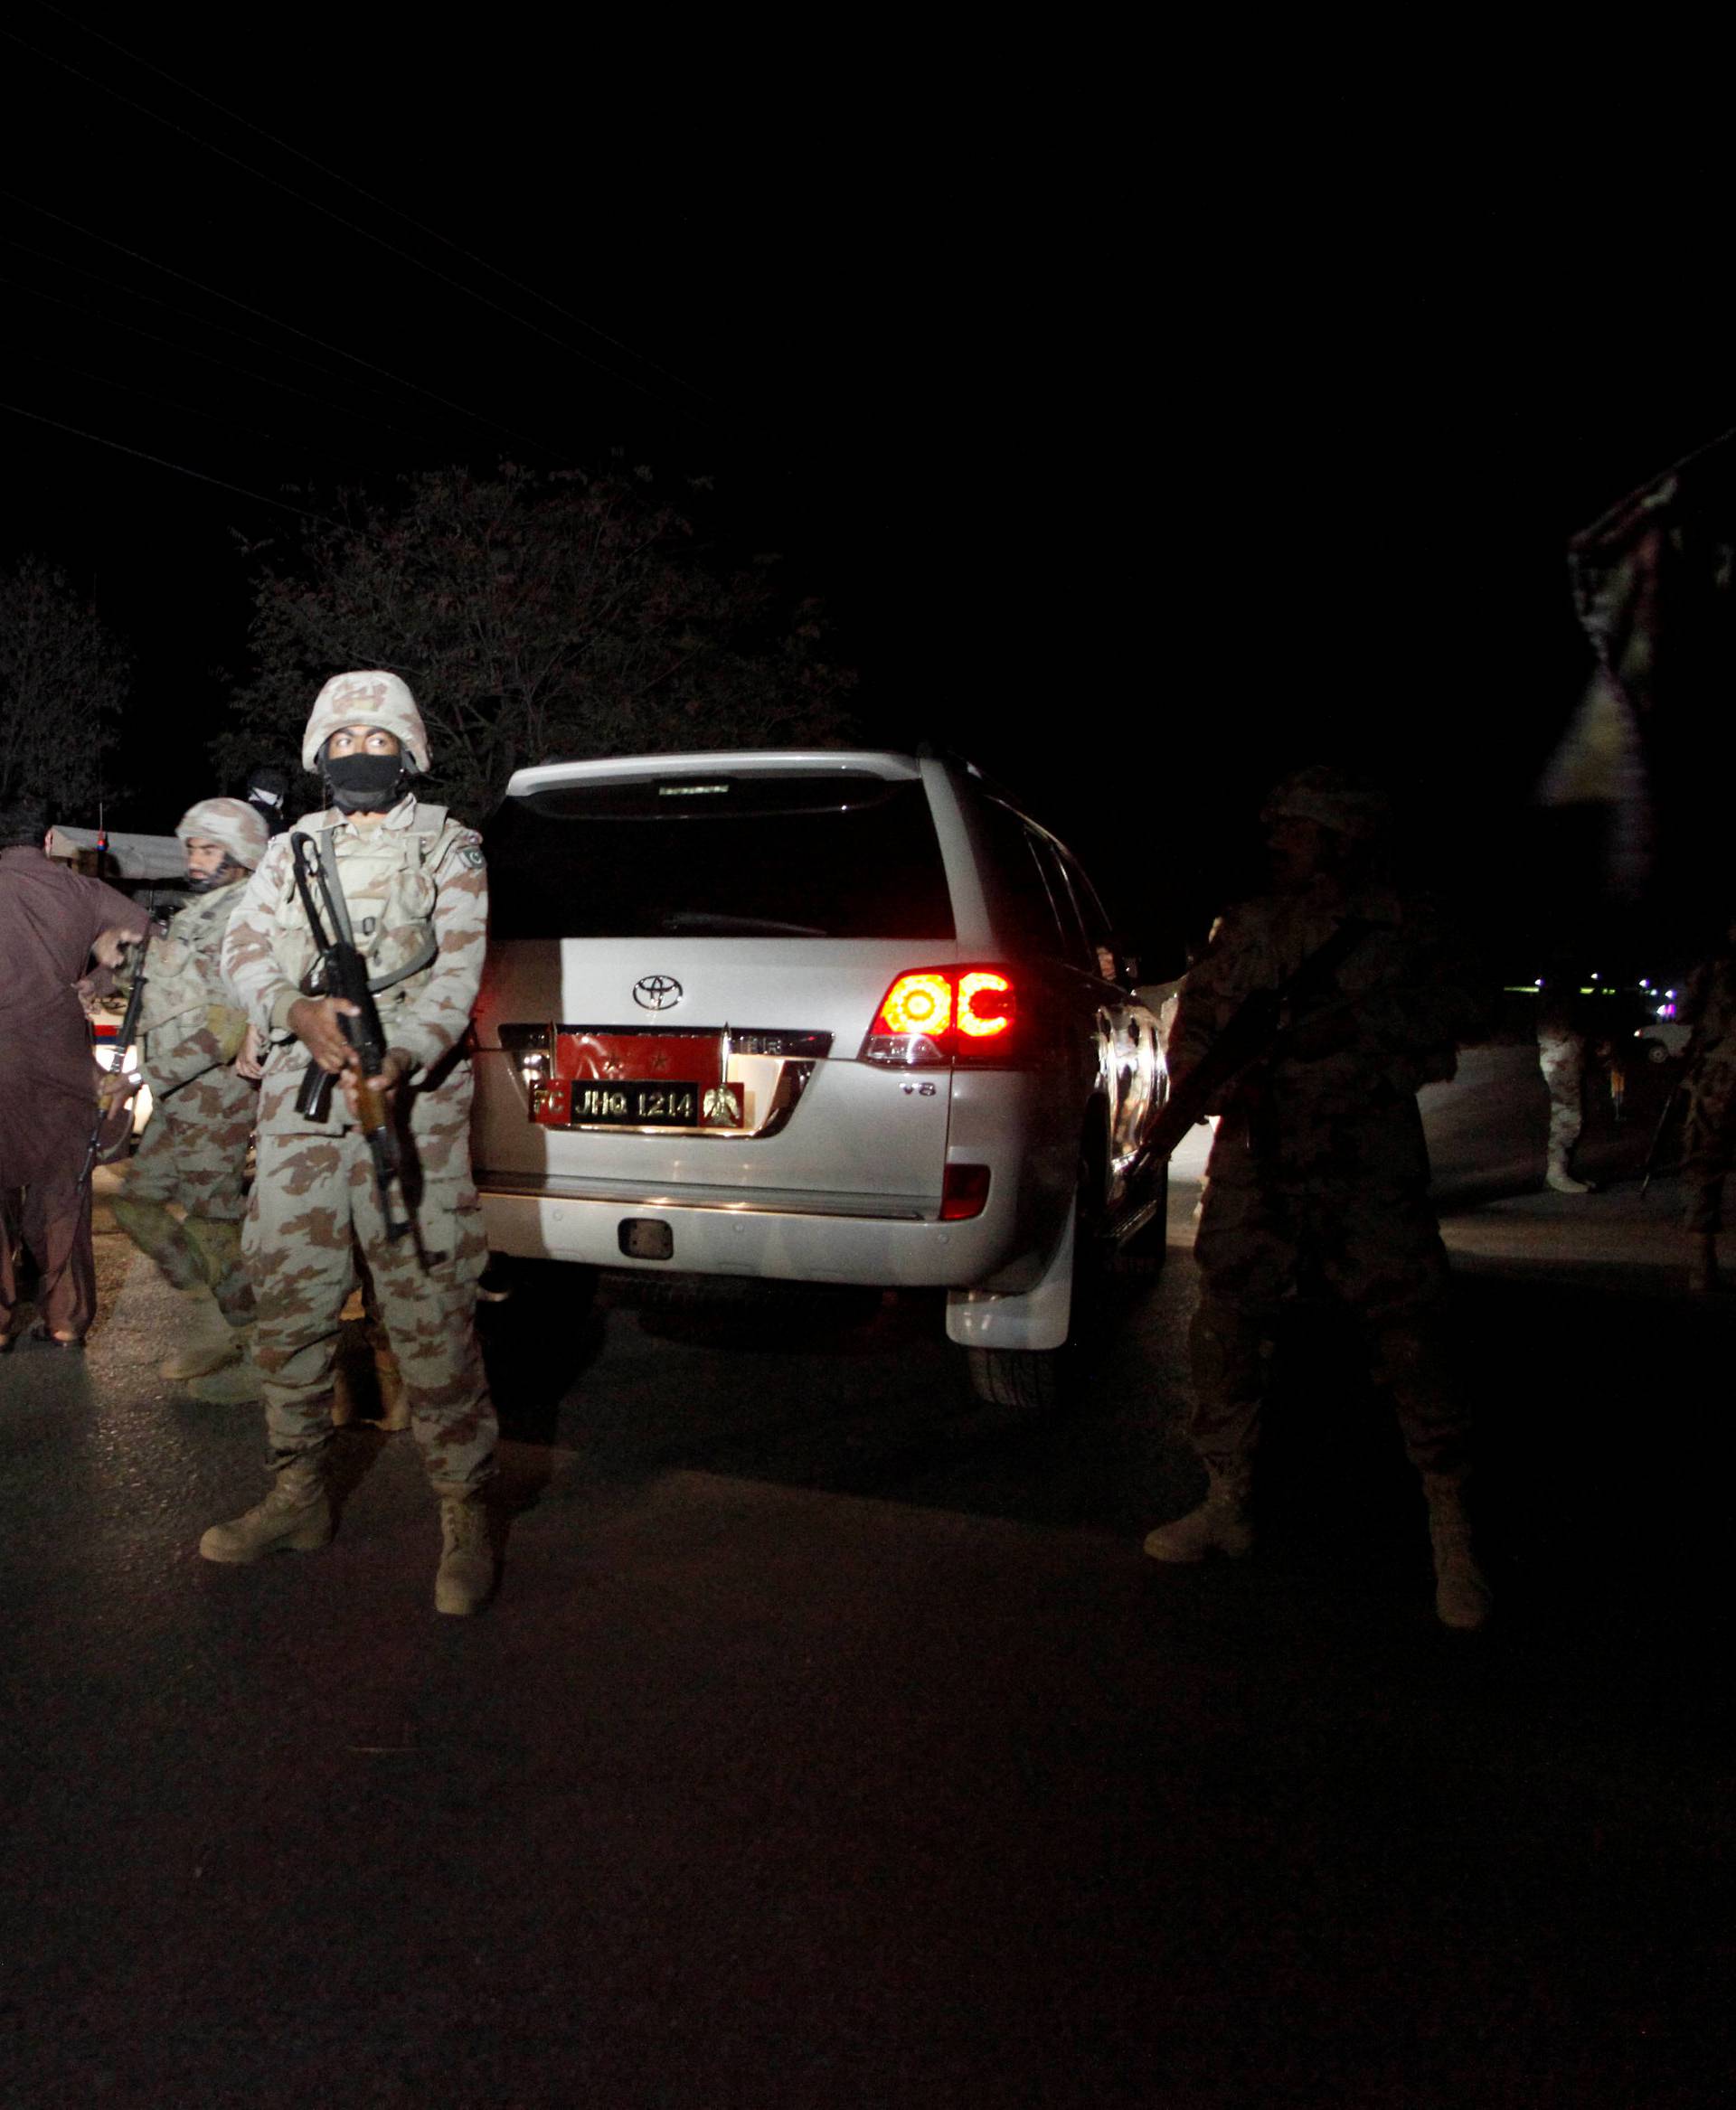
(1250, 1036)
(113, 1122)
(343, 972)
(1676, 1105)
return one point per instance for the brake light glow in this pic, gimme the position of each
(917, 1003)
(964, 1193)
(985, 1003)
(933, 1017)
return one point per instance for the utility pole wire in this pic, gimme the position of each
(259, 315)
(211, 359)
(108, 381)
(205, 324)
(367, 234)
(180, 468)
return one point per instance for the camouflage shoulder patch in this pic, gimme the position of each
(472, 856)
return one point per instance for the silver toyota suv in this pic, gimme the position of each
(821, 1017)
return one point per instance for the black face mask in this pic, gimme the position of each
(364, 784)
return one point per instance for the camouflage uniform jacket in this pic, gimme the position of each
(189, 1021)
(1408, 993)
(1709, 1005)
(417, 891)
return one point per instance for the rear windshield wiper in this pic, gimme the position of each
(705, 920)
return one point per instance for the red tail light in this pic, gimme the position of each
(984, 1004)
(964, 1193)
(917, 1003)
(936, 1016)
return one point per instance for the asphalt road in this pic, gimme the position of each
(830, 1743)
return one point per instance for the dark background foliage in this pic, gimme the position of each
(63, 679)
(537, 618)
(1142, 433)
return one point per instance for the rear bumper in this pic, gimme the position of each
(882, 1240)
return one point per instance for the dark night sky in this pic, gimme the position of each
(1146, 434)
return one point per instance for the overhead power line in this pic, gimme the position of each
(206, 325)
(109, 381)
(276, 322)
(211, 359)
(366, 234)
(180, 468)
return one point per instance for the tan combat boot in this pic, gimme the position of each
(234, 1383)
(347, 1405)
(296, 1517)
(1221, 1524)
(1561, 1180)
(1702, 1264)
(467, 1571)
(208, 1340)
(344, 1399)
(394, 1397)
(1462, 1595)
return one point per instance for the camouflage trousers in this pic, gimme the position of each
(1709, 1138)
(1359, 1225)
(315, 1204)
(1560, 1056)
(193, 1155)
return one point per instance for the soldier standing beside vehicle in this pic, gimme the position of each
(1560, 1056)
(417, 900)
(1709, 1139)
(1319, 1172)
(194, 1151)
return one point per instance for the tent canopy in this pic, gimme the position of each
(136, 857)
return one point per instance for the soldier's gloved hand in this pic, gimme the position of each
(250, 1062)
(314, 1021)
(396, 1068)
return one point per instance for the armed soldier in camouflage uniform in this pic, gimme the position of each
(1560, 1056)
(194, 1147)
(1709, 1139)
(1319, 1166)
(417, 901)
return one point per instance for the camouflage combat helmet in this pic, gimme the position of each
(366, 699)
(1331, 800)
(238, 826)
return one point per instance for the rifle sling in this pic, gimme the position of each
(339, 906)
(1327, 958)
(1324, 960)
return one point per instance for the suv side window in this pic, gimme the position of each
(1026, 895)
(1099, 931)
(1077, 951)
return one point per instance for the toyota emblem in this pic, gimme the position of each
(657, 992)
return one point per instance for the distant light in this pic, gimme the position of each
(1644, 983)
(1594, 973)
(1669, 992)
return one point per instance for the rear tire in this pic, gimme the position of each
(1011, 1376)
(1047, 1378)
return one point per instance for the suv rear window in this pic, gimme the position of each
(838, 855)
